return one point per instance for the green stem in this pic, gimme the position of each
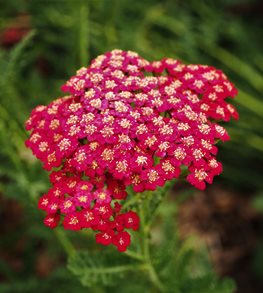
(64, 241)
(154, 278)
(152, 272)
(146, 253)
(118, 269)
(132, 201)
(134, 255)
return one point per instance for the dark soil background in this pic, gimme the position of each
(231, 229)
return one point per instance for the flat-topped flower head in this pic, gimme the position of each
(127, 122)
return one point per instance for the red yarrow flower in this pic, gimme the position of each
(72, 221)
(122, 240)
(132, 123)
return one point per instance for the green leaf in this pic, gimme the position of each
(94, 269)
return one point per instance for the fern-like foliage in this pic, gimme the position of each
(182, 266)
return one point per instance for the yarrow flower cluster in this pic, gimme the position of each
(127, 122)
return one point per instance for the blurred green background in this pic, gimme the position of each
(43, 43)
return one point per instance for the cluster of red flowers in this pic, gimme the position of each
(127, 122)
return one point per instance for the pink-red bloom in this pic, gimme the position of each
(127, 122)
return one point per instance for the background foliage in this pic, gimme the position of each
(63, 35)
